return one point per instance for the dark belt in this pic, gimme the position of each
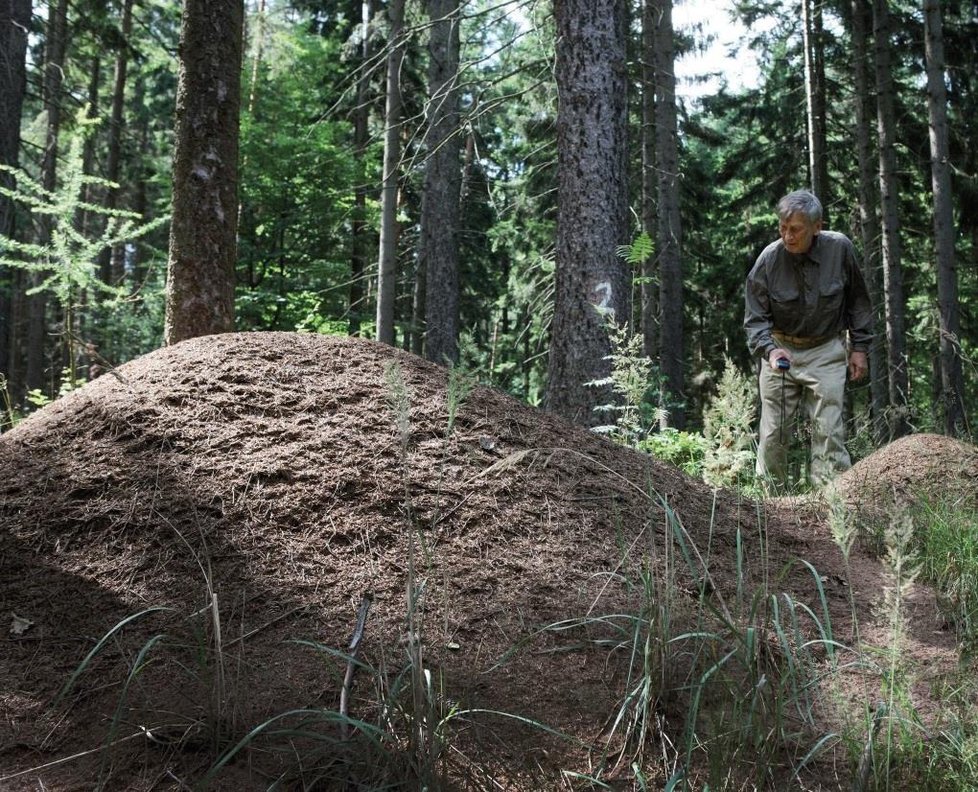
(802, 342)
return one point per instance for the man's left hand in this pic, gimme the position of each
(858, 365)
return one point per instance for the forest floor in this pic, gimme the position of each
(244, 494)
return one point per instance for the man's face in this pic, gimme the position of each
(798, 231)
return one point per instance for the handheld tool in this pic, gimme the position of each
(783, 365)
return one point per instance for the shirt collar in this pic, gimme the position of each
(815, 252)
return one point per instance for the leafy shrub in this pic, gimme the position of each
(685, 450)
(728, 431)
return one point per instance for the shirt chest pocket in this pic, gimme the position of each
(786, 305)
(831, 295)
(784, 293)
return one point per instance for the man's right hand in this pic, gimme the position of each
(776, 355)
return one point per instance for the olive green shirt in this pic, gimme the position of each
(815, 294)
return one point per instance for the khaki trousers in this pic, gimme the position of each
(817, 382)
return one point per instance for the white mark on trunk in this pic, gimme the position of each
(600, 296)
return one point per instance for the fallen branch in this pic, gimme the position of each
(351, 662)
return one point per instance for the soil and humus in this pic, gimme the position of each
(224, 508)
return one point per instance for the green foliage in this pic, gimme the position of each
(9, 417)
(639, 251)
(510, 107)
(728, 429)
(950, 761)
(947, 550)
(460, 385)
(297, 178)
(65, 261)
(723, 455)
(685, 450)
(399, 402)
(69, 382)
(634, 381)
(133, 325)
(66, 264)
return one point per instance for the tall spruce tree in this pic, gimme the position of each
(440, 207)
(111, 261)
(649, 289)
(670, 230)
(203, 227)
(55, 47)
(952, 385)
(15, 17)
(896, 344)
(387, 256)
(361, 138)
(868, 203)
(592, 285)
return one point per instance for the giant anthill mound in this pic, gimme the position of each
(909, 469)
(249, 492)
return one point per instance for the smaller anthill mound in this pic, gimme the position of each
(908, 469)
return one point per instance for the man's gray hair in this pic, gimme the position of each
(800, 201)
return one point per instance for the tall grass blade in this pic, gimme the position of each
(825, 627)
(83, 666)
(375, 735)
(137, 667)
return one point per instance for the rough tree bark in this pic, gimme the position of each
(441, 201)
(111, 261)
(361, 138)
(670, 236)
(15, 17)
(592, 216)
(818, 167)
(899, 419)
(387, 262)
(55, 47)
(650, 282)
(952, 384)
(200, 275)
(869, 224)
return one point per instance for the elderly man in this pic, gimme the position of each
(803, 295)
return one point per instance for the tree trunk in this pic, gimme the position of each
(414, 335)
(889, 202)
(111, 261)
(592, 196)
(85, 219)
(441, 200)
(650, 282)
(387, 255)
(15, 18)
(200, 274)
(670, 219)
(143, 174)
(952, 385)
(869, 224)
(57, 32)
(361, 137)
(815, 101)
(256, 61)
